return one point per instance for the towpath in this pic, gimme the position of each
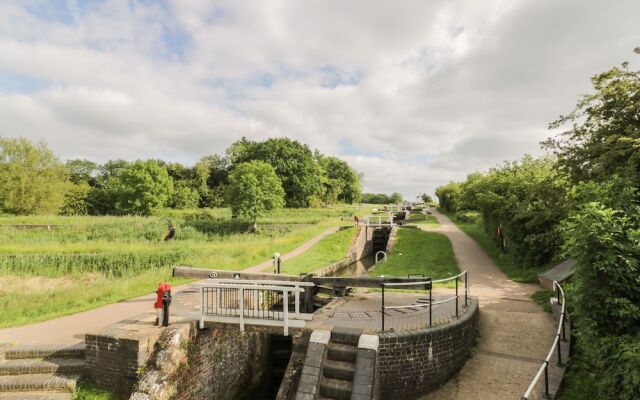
(515, 333)
(72, 328)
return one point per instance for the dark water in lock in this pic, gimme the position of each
(358, 268)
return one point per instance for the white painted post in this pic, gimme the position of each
(201, 307)
(218, 299)
(297, 289)
(285, 308)
(241, 310)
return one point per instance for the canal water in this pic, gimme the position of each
(357, 268)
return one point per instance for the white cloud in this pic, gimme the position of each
(414, 94)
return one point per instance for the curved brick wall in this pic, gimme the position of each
(412, 363)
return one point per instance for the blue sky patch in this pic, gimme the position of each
(11, 82)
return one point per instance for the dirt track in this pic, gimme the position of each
(515, 333)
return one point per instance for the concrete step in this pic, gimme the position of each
(342, 352)
(38, 366)
(36, 396)
(38, 383)
(339, 370)
(336, 389)
(45, 351)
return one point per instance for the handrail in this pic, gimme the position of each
(226, 298)
(544, 368)
(429, 285)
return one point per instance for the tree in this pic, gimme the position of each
(426, 199)
(604, 138)
(448, 196)
(253, 190)
(341, 182)
(81, 171)
(32, 179)
(184, 197)
(395, 198)
(139, 188)
(293, 162)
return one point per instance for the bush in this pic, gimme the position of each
(470, 217)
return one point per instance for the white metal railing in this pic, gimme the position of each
(429, 286)
(378, 220)
(560, 337)
(378, 259)
(258, 302)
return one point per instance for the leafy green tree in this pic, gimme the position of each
(604, 137)
(184, 197)
(426, 199)
(254, 189)
(293, 162)
(448, 196)
(81, 170)
(139, 188)
(395, 198)
(76, 199)
(340, 181)
(32, 179)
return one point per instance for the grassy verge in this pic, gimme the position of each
(419, 252)
(423, 219)
(542, 298)
(506, 263)
(87, 391)
(330, 249)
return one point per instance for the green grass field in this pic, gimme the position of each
(423, 219)
(331, 249)
(506, 263)
(419, 252)
(86, 262)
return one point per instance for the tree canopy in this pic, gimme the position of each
(254, 189)
(32, 179)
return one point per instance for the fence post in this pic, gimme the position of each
(546, 379)
(466, 288)
(456, 297)
(201, 307)
(382, 307)
(285, 308)
(559, 351)
(430, 303)
(242, 309)
(564, 337)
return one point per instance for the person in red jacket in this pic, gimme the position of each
(163, 299)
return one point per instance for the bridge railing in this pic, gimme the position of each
(556, 346)
(428, 285)
(257, 302)
(378, 220)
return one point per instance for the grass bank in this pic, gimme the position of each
(86, 262)
(506, 263)
(330, 249)
(419, 252)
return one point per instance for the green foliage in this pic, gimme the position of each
(32, 179)
(254, 189)
(381, 198)
(292, 161)
(339, 181)
(184, 197)
(419, 252)
(543, 299)
(88, 391)
(604, 138)
(426, 199)
(448, 196)
(76, 200)
(470, 217)
(81, 171)
(139, 188)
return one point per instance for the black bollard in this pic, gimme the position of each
(166, 302)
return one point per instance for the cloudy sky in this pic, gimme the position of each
(412, 93)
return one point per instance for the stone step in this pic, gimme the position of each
(38, 383)
(45, 351)
(36, 396)
(336, 389)
(339, 370)
(342, 352)
(38, 366)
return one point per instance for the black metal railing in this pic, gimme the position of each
(427, 285)
(556, 346)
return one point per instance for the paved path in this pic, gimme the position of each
(515, 333)
(71, 329)
(296, 252)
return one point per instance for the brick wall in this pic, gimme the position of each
(413, 363)
(224, 364)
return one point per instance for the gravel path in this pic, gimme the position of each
(515, 333)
